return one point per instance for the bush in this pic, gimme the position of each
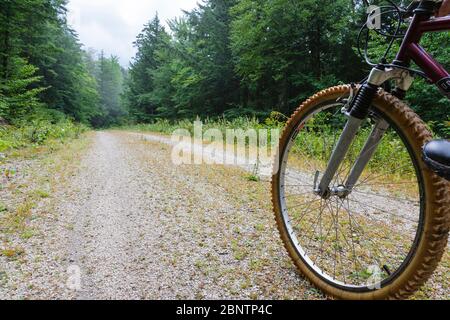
(38, 132)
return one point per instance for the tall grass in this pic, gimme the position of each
(391, 155)
(168, 127)
(38, 132)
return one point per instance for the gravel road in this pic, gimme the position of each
(144, 229)
(130, 225)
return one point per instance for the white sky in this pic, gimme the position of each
(112, 25)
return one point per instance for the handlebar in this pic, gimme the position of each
(410, 10)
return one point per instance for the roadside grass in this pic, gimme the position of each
(254, 175)
(43, 194)
(38, 135)
(313, 144)
(390, 169)
(391, 156)
(12, 253)
(391, 164)
(167, 127)
(30, 174)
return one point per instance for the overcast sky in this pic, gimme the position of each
(112, 25)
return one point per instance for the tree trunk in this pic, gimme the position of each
(6, 39)
(285, 98)
(318, 62)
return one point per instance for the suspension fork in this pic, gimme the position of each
(366, 154)
(357, 114)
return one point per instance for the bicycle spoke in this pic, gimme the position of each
(352, 233)
(386, 196)
(342, 235)
(381, 210)
(298, 195)
(372, 178)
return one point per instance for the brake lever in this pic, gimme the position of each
(409, 11)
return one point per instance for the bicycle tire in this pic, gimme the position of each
(434, 233)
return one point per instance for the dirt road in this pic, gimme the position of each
(130, 225)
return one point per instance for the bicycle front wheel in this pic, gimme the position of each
(383, 239)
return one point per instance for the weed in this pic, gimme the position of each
(3, 278)
(252, 178)
(38, 133)
(260, 227)
(239, 252)
(27, 234)
(42, 194)
(12, 253)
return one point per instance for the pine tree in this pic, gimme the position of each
(140, 83)
(36, 31)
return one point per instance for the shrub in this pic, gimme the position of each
(38, 132)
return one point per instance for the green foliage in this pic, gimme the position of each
(241, 58)
(251, 57)
(38, 132)
(138, 93)
(391, 156)
(67, 77)
(168, 127)
(42, 64)
(285, 51)
(17, 96)
(225, 58)
(315, 141)
(188, 74)
(426, 99)
(109, 80)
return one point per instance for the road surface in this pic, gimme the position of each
(127, 224)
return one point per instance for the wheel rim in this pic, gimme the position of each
(312, 223)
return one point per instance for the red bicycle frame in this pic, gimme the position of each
(411, 50)
(360, 105)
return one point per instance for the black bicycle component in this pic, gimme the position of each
(436, 155)
(426, 8)
(399, 93)
(361, 104)
(400, 15)
(444, 85)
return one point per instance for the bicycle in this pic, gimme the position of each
(358, 208)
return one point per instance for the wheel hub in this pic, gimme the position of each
(340, 191)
